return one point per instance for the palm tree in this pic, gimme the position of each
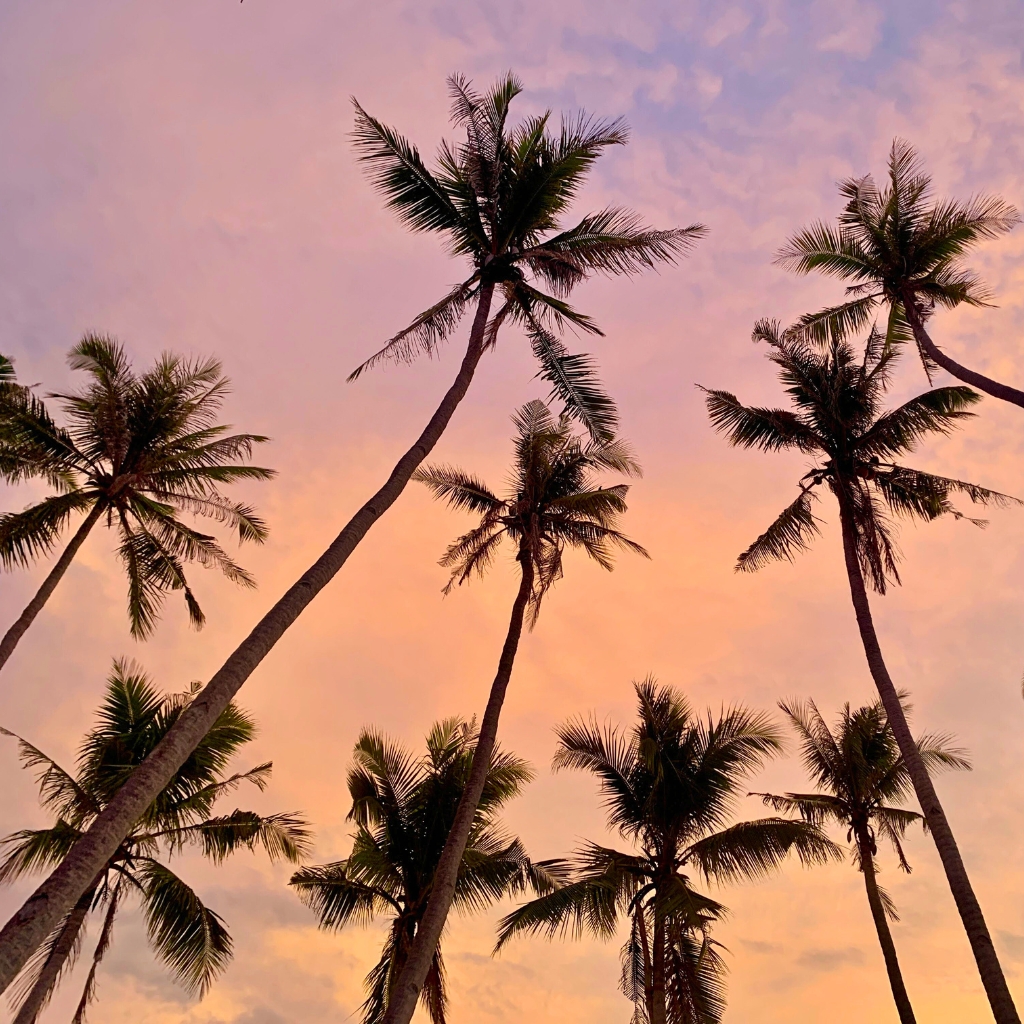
(497, 199)
(669, 787)
(185, 934)
(838, 421)
(403, 808)
(138, 451)
(900, 247)
(553, 503)
(859, 773)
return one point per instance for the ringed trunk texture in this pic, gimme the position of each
(35, 606)
(976, 380)
(41, 990)
(989, 968)
(44, 908)
(892, 964)
(442, 891)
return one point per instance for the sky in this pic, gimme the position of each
(181, 176)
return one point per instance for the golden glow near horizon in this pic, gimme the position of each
(182, 179)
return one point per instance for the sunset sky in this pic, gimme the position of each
(181, 176)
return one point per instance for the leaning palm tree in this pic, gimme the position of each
(669, 787)
(184, 933)
(553, 503)
(499, 200)
(898, 246)
(403, 808)
(137, 452)
(838, 421)
(859, 772)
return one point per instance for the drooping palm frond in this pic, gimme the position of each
(792, 532)
(189, 937)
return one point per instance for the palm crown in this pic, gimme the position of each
(859, 774)
(837, 419)
(403, 808)
(670, 786)
(499, 199)
(189, 937)
(553, 502)
(896, 244)
(139, 449)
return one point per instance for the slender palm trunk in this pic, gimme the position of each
(892, 964)
(41, 990)
(648, 966)
(991, 972)
(442, 890)
(35, 606)
(659, 1002)
(976, 380)
(44, 908)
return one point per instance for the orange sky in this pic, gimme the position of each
(182, 179)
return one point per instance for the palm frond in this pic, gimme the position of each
(188, 936)
(789, 534)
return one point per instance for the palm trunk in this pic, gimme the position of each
(442, 890)
(42, 989)
(39, 915)
(967, 904)
(976, 380)
(659, 1002)
(648, 967)
(35, 606)
(892, 964)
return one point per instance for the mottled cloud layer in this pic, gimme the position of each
(180, 176)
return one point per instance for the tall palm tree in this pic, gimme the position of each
(501, 191)
(138, 451)
(185, 934)
(838, 421)
(899, 246)
(553, 503)
(403, 808)
(859, 773)
(669, 786)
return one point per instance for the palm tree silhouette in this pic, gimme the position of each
(838, 421)
(669, 787)
(138, 451)
(900, 247)
(858, 773)
(501, 191)
(553, 503)
(403, 808)
(184, 933)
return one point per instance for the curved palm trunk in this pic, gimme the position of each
(892, 964)
(442, 891)
(967, 904)
(976, 380)
(37, 997)
(35, 606)
(44, 908)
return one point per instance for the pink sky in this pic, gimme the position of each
(182, 178)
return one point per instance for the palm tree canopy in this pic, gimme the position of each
(837, 419)
(403, 808)
(189, 937)
(145, 448)
(893, 241)
(670, 787)
(859, 773)
(499, 200)
(553, 502)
